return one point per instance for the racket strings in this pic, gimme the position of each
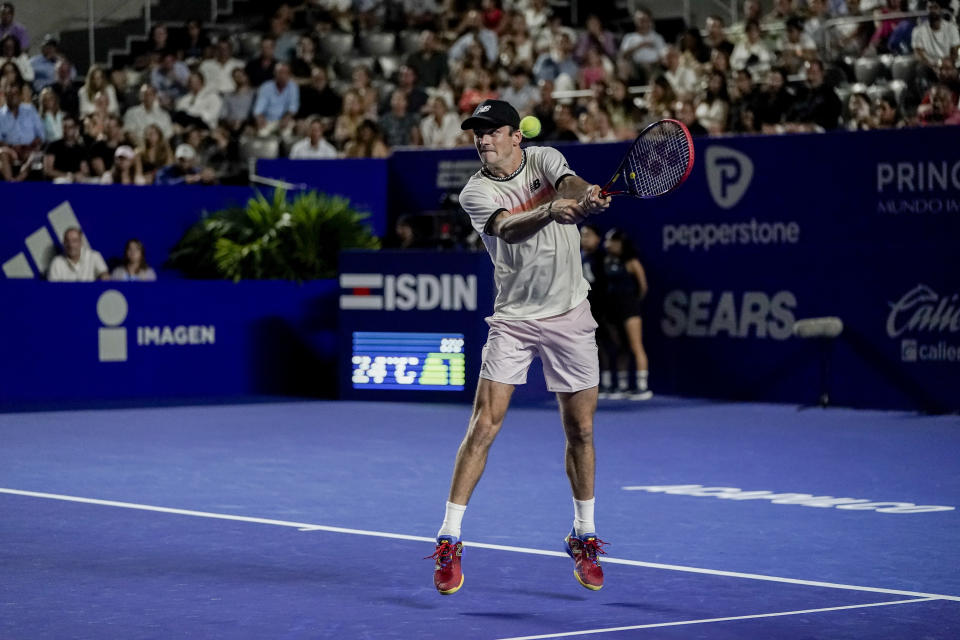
(659, 160)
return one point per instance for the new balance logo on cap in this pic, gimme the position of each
(481, 109)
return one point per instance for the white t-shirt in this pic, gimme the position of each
(303, 150)
(936, 44)
(542, 276)
(88, 268)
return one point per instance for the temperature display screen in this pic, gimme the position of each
(409, 361)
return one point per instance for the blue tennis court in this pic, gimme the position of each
(311, 520)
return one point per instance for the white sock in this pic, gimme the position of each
(642, 380)
(623, 380)
(583, 516)
(451, 520)
(606, 379)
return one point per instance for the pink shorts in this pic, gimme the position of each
(566, 344)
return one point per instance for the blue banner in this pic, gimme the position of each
(97, 342)
(361, 180)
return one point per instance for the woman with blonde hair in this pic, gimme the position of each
(349, 119)
(95, 83)
(153, 153)
(51, 114)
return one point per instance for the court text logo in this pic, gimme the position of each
(729, 173)
(408, 292)
(706, 314)
(923, 311)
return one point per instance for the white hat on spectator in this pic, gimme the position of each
(124, 151)
(185, 152)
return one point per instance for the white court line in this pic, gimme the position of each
(705, 620)
(306, 526)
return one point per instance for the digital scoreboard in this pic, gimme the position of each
(411, 361)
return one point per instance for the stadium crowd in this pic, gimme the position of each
(356, 78)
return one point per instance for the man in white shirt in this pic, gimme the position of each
(78, 263)
(199, 103)
(525, 203)
(148, 112)
(643, 47)
(218, 71)
(315, 146)
(440, 129)
(935, 39)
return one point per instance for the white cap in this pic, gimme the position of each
(185, 151)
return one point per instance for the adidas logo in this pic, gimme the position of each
(41, 245)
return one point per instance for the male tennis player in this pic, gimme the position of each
(525, 204)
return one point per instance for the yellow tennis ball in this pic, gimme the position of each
(530, 127)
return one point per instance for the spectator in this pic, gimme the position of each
(520, 93)
(684, 79)
(537, 16)
(694, 51)
(286, 40)
(407, 235)
(45, 64)
(349, 119)
(935, 39)
(752, 53)
(195, 43)
(743, 100)
(183, 170)
(429, 63)
(796, 46)
(170, 79)
(472, 31)
(886, 113)
(368, 143)
(158, 45)
(318, 98)
(595, 36)
(10, 52)
(717, 36)
(478, 91)
(21, 135)
(79, 263)
(880, 41)
(314, 146)
(859, 116)
(200, 106)
(556, 62)
(947, 75)
(566, 124)
(260, 69)
(127, 94)
(660, 100)
(819, 106)
(941, 109)
(361, 81)
(134, 267)
(52, 115)
(781, 13)
(278, 101)
(849, 38)
(10, 74)
(8, 27)
(773, 101)
(124, 170)
(96, 83)
(103, 150)
(596, 68)
(714, 106)
(517, 35)
(407, 83)
(153, 153)
(67, 159)
(238, 106)
(148, 112)
(685, 112)
(304, 60)
(399, 126)
(816, 25)
(643, 47)
(421, 13)
(65, 88)
(218, 71)
(621, 110)
(545, 108)
(441, 128)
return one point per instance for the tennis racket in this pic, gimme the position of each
(658, 162)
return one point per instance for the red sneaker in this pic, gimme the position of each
(585, 551)
(447, 576)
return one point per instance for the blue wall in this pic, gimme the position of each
(766, 231)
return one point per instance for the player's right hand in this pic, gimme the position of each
(567, 211)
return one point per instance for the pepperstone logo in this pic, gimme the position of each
(729, 173)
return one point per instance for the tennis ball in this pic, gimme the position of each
(530, 127)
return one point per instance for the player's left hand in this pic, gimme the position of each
(593, 202)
